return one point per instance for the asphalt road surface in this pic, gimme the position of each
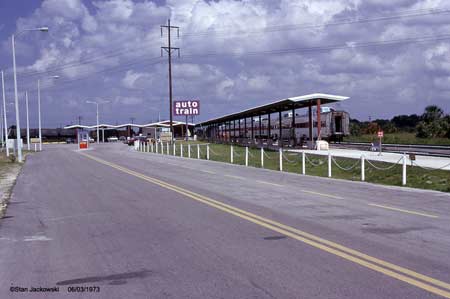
(114, 223)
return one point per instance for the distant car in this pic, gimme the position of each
(122, 138)
(130, 141)
(112, 139)
(70, 140)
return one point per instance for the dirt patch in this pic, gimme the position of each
(8, 175)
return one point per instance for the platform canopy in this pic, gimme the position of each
(164, 124)
(280, 105)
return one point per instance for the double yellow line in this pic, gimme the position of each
(411, 277)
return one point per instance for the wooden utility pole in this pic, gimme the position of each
(169, 52)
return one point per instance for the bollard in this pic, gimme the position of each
(151, 147)
(181, 150)
(363, 170)
(156, 148)
(168, 148)
(329, 164)
(174, 149)
(231, 154)
(35, 147)
(303, 163)
(207, 152)
(404, 171)
(189, 150)
(281, 158)
(262, 157)
(198, 151)
(246, 156)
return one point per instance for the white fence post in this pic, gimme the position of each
(181, 150)
(35, 147)
(281, 158)
(168, 148)
(174, 149)
(189, 150)
(329, 164)
(198, 151)
(404, 171)
(262, 157)
(156, 147)
(231, 154)
(207, 152)
(246, 156)
(363, 168)
(303, 163)
(151, 147)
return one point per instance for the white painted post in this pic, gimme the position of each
(329, 164)
(303, 163)
(404, 171)
(151, 147)
(363, 170)
(231, 154)
(262, 157)
(189, 150)
(156, 147)
(246, 156)
(181, 150)
(198, 151)
(168, 148)
(35, 147)
(207, 152)
(281, 158)
(174, 149)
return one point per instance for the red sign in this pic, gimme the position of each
(190, 107)
(380, 134)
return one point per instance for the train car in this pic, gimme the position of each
(334, 126)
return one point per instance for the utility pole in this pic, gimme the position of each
(169, 52)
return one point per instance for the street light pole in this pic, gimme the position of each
(28, 121)
(16, 99)
(98, 129)
(39, 114)
(4, 109)
(16, 102)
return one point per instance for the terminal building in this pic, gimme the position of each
(295, 121)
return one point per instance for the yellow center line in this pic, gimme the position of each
(269, 183)
(207, 171)
(404, 211)
(322, 194)
(235, 177)
(403, 274)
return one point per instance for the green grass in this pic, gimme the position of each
(399, 138)
(317, 165)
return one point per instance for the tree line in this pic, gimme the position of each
(431, 124)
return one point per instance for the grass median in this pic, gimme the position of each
(317, 165)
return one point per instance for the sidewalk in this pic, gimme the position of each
(421, 161)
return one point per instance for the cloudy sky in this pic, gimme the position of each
(390, 57)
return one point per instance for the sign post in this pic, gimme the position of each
(380, 135)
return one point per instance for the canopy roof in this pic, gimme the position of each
(280, 105)
(164, 124)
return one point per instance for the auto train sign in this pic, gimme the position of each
(189, 107)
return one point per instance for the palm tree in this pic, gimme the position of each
(432, 113)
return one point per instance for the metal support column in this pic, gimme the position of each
(268, 127)
(318, 119)
(294, 141)
(310, 124)
(260, 130)
(280, 139)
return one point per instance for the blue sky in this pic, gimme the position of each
(389, 57)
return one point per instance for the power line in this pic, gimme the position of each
(300, 26)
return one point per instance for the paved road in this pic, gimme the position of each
(140, 225)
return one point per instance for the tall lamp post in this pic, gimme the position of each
(39, 110)
(16, 99)
(97, 103)
(4, 113)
